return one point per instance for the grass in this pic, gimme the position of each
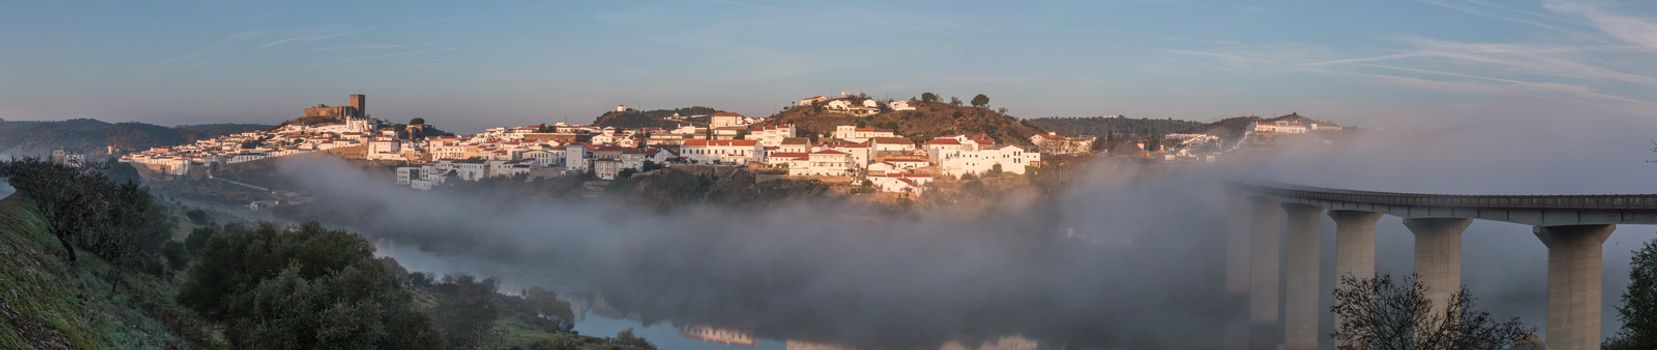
(47, 304)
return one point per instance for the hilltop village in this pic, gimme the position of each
(843, 145)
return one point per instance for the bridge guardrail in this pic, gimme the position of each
(1586, 202)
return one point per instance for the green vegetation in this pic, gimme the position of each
(1114, 128)
(38, 138)
(1379, 313)
(928, 120)
(304, 288)
(1638, 310)
(676, 187)
(119, 223)
(633, 119)
(104, 276)
(203, 131)
(61, 297)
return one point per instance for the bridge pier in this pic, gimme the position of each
(1575, 275)
(1237, 244)
(1237, 236)
(1265, 261)
(1301, 263)
(1354, 245)
(1438, 257)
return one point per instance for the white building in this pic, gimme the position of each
(1277, 127)
(937, 146)
(471, 169)
(1010, 159)
(855, 134)
(901, 105)
(246, 157)
(891, 144)
(810, 100)
(543, 158)
(575, 157)
(822, 163)
(385, 148)
(606, 168)
(724, 119)
(770, 136)
(914, 184)
(407, 175)
(722, 151)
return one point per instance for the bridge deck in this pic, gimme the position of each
(1524, 209)
(1589, 201)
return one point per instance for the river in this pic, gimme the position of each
(591, 319)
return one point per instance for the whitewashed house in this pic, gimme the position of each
(901, 105)
(722, 151)
(575, 157)
(855, 134)
(1010, 159)
(822, 163)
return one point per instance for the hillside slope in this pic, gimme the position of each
(634, 119)
(49, 305)
(1111, 126)
(929, 119)
(36, 138)
(1235, 126)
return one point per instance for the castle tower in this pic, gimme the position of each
(359, 102)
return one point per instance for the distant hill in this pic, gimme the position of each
(35, 138)
(634, 119)
(929, 119)
(1228, 128)
(1234, 126)
(202, 131)
(1113, 127)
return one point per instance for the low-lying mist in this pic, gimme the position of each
(1128, 257)
(1131, 256)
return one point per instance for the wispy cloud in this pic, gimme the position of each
(1495, 11)
(311, 38)
(1637, 30)
(1486, 84)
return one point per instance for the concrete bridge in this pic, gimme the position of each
(1276, 237)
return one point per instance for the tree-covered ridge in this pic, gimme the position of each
(35, 138)
(928, 120)
(202, 131)
(635, 119)
(1110, 127)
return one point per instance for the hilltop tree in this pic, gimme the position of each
(954, 101)
(929, 97)
(980, 101)
(1638, 311)
(417, 121)
(1379, 313)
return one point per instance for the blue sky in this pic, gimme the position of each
(470, 66)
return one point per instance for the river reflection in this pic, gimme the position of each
(596, 317)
